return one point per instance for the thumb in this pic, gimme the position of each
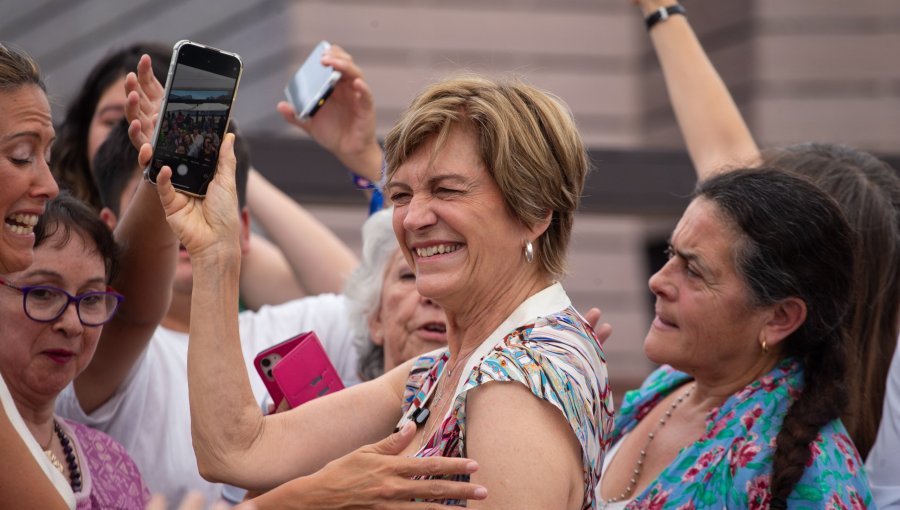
(166, 190)
(396, 442)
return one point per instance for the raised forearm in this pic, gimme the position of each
(319, 259)
(225, 419)
(147, 266)
(711, 124)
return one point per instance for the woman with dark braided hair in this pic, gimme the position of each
(745, 411)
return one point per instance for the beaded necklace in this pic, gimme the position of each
(71, 459)
(639, 465)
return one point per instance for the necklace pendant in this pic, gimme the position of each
(55, 461)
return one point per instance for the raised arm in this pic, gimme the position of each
(320, 261)
(714, 131)
(345, 125)
(147, 265)
(234, 443)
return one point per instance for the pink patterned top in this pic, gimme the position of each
(111, 480)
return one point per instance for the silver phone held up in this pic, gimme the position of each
(311, 84)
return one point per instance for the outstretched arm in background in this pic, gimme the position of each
(318, 259)
(147, 260)
(345, 126)
(313, 257)
(714, 131)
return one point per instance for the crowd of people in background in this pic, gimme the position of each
(192, 133)
(130, 314)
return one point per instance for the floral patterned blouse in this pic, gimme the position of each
(555, 354)
(730, 465)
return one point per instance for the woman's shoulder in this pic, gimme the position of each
(557, 357)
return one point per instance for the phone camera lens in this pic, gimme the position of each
(266, 362)
(269, 373)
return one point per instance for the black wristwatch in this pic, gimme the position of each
(663, 14)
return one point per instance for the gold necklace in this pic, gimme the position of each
(52, 456)
(639, 465)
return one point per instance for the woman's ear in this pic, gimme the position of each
(786, 317)
(376, 327)
(538, 229)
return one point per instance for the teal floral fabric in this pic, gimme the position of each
(730, 465)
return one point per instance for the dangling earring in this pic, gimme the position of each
(529, 252)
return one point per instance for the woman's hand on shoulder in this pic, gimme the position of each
(375, 476)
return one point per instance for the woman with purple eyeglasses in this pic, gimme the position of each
(51, 317)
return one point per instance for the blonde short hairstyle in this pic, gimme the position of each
(527, 140)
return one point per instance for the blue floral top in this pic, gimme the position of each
(730, 465)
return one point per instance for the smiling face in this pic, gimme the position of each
(38, 359)
(405, 324)
(453, 224)
(110, 110)
(26, 133)
(704, 319)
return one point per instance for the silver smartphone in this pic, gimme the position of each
(311, 84)
(200, 90)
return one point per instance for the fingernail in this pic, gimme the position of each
(472, 466)
(480, 492)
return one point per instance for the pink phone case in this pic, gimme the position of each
(306, 373)
(266, 360)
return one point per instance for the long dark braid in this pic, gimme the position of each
(794, 242)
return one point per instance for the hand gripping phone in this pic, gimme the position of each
(311, 84)
(200, 89)
(297, 370)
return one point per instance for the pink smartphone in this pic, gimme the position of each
(297, 370)
(306, 373)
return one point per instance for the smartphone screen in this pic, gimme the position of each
(312, 83)
(200, 91)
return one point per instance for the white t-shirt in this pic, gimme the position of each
(53, 474)
(883, 463)
(150, 413)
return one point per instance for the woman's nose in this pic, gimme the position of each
(418, 214)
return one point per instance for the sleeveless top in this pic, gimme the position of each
(546, 346)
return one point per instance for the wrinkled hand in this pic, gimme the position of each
(603, 331)
(205, 226)
(345, 124)
(144, 99)
(374, 476)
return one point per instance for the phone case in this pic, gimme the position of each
(306, 373)
(191, 172)
(265, 362)
(312, 84)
